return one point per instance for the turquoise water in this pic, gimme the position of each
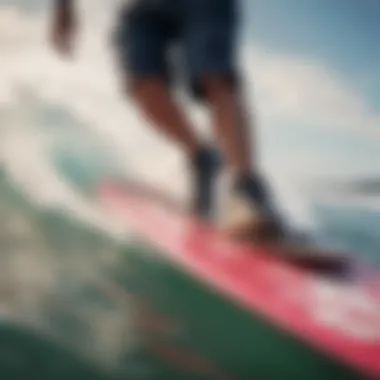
(65, 311)
(351, 228)
(60, 307)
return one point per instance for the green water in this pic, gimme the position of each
(63, 310)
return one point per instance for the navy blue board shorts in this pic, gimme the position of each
(150, 33)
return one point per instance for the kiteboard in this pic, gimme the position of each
(236, 224)
(331, 326)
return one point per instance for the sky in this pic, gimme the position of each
(339, 39)
(312, 68)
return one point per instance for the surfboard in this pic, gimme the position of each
(230, 309)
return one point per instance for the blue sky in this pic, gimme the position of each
(342, 36)
(344, 33)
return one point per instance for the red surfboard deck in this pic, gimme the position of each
(341, 319)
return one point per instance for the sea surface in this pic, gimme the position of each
(62, 276)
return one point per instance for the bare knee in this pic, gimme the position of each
(146, 89)
(219, 86)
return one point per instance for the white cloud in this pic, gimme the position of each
(287, 89)
(309, 93)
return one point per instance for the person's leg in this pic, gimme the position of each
(210, 39)
(230, 121)
(153, 97)
(143, 40)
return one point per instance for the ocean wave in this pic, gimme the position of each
(62, 271)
